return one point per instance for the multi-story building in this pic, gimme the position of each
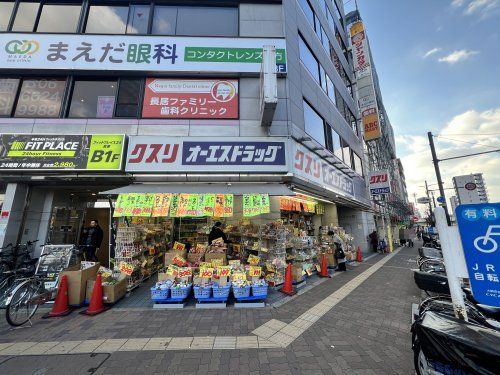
(470, 188)
(171, 95)
(390, 201)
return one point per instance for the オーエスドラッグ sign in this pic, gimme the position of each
(22, 152)
(136, 53)
(190, 98)
(169, 154)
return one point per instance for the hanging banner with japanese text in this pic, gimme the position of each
(190, 98)
(136, 53)
(168, 154)
(50, 152)
(224, 205)
(255, 204)
(161, 204)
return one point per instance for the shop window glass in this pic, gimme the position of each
(331, 89)
(25, 16)
(317, 27)
(308, 59)
(5, 13)
(94, 99)
(40, 98)
(347, 153)
(209, 21)
(314, 125)
(128, 99)
(325, 41)
(106, 19)
(8, 90)
(353, 122)
(138, 19)
(336, 142)
(164, 20)
(328, 137)
(59, 18)
(330, 19)
(307, 9)
(358, 166)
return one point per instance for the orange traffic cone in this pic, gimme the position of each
(359, 256)
(288, 286)
(61, 305)
(323, 272)
(96, 305)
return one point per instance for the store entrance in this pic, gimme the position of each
(102, 217)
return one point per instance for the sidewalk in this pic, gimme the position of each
(336, 328)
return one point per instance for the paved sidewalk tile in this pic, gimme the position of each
(63, 347)
(133, 345)
(203, 342)
(180, 343)
(87, 346)
(110, 345)
(16, 348)
(225, 342)
(40, 348)
(157, 343)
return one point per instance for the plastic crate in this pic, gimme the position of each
(259, 291)
(159, 294)
(201, 292)
(241, 291)
(221, 291)
(180, 293)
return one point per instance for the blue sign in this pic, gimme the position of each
(479, 226)
(440, 199)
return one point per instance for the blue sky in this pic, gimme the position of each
(438, 63)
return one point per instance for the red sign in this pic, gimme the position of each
(470, 186)
(190, 98)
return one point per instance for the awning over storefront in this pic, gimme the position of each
(204, 188)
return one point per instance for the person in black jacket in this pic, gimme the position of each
(92, 240)
(217, 232)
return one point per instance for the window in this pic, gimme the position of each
(340, 103)
(8, 91)
(347, 153)
(5, 13)
(336, 143)
(331, 89)
(317, 27)
(322, 76)
(314, 125)
(308, 59)
(138, 19)
(329, 18)
(59, 18)
(40, 98)
(352, 121)
(328, 137)
(164, 20)
(93, 99)
(325, 41)
(25, 16)
(129, 94)
(358, 166)
(209, 21)
(107, 19)
(306, 7)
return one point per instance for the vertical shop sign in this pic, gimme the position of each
(266, 204)
(128, 204)
(182, 205)
(190, 98)
(224, 205)
(174, 205)
(208, 204)
(119, 206)
(161, 206)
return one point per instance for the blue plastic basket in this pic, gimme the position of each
(159, 294)
(259, 290)
(241, 291)
(201, 292)
(180, 293)
(221, 291)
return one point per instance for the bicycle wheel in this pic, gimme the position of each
(20, 309)
(5, 289)
(4, 267)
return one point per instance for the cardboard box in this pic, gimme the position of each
(297, 273)
(194, 258)
(110, 293)
(169, 255)
(77, 282)
(210, 256)
(330, 260)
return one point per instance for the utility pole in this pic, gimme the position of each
(429, 198)
(435, 160)
(433, 199)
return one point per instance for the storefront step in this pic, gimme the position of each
(169, 305)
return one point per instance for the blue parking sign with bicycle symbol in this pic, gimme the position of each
(479, 227)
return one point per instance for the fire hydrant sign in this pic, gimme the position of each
(190, 98)
(479, 226)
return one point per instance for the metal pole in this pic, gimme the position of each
(438, 175)
(433, 199)
(431, 213)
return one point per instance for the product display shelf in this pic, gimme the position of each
(275, 240)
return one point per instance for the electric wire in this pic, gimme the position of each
(472, 143)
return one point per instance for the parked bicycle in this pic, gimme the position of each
(18, 256)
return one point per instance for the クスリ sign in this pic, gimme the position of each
(22, 152)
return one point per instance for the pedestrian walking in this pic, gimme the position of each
(92, 239)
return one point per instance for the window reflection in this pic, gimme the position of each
(138, 19)
(5, 13)
(314, 125)
(104, 19)
(25, 17)
(59, 18)
(93, 99)
(164, 20)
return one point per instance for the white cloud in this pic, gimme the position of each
(481, 6)
(431, 52)
(457, 56)
(457, 3)
(470, 126)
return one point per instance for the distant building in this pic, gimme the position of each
(453, 204)
(470, 188)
